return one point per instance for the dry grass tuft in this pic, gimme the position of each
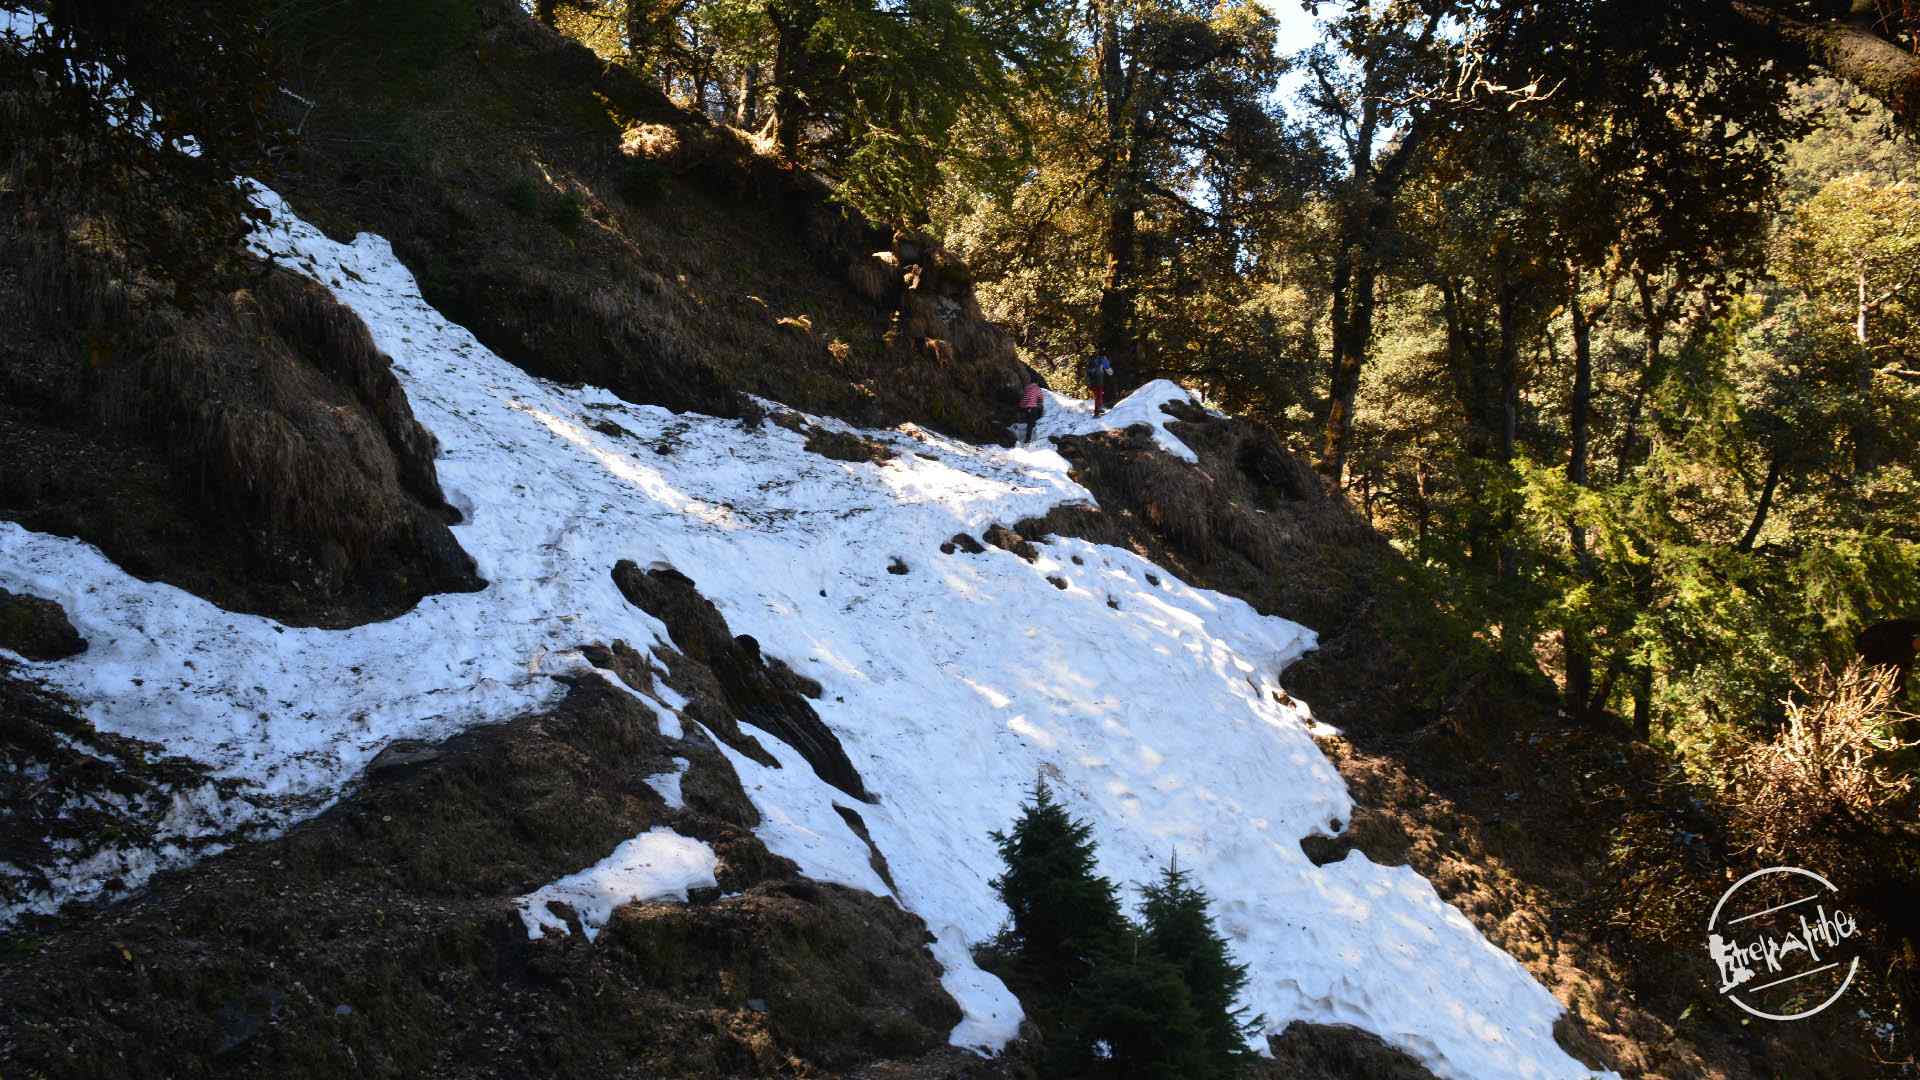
(269, 405)
(685, 217)
(655, 142)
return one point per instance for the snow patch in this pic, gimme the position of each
(1161, 722)
(1074, 416)
(659, 864)
(668, 784)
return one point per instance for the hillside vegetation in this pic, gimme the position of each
(307, 843)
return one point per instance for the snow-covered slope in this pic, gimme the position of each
(1064, 415)
(1152, 708)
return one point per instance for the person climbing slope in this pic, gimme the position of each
(1030, 405)
(1099, 372)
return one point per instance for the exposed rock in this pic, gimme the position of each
(846, 446)
(1336, 1052)
(623, 660)
(875, 858)
(962, 542)
(750, 688)
(1007, 540)
(897, 566)
(1321, 850)
(792, 679)
(399, 756)
(37, 629)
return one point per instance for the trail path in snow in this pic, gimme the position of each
(1152, 707)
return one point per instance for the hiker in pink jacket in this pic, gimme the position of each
(1030, 405)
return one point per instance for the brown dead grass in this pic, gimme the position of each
(265, 411)
(700, 268)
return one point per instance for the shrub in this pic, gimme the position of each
(1133, 1017)
(1065, 916)
(523, 195)
(643, 182)
(1836, 777)
(1115, 998)
(1179, 929)
(566, 211)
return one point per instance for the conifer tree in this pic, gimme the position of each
(1065, 915)
(1178, 927)
(1132, 1018)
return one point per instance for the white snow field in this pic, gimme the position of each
(1150, 707)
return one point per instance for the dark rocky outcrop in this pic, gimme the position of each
(1305, 1051)
(962, 542)
(254, 448)
(633, 667)
(753, 689)
(37, 629)
(846, 446)
(1007, 540)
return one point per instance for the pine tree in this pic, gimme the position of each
(1065, 916)
(1179, 928)
(1132, 1018)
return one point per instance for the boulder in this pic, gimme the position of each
(37, 629)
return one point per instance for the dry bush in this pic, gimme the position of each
(1839, 771)
(876, 276)
(655, 142)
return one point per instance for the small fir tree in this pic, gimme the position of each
(1180, 929)
(1065, 915)
(1133, 1018)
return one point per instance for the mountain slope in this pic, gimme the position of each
(949, 680)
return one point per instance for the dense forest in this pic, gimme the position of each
(1605, 313)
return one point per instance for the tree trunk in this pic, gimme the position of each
(1470, 367)
(1765, 504)
(545, 10)
(1866, 440)
(1114, 336)
(1352, 336)
(746, 113)
(1846, 49)
(793, 25)
(1579, 648)
(1643, 703)
(1654, 315)
(1509, 373)
(1509, 358)
(1423, 492)
(1352, 306)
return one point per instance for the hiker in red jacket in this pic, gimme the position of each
(1030, 406)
